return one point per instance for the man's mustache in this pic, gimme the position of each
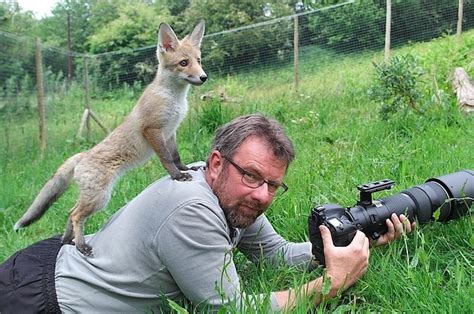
(257, 206)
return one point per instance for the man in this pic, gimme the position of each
(176, 240)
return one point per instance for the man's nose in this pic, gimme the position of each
(262, 194)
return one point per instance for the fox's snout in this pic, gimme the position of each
(201, 80)
(197, 79)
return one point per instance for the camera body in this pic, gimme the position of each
(438, 199)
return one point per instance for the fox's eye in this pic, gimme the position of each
(183, 63)
(199, 60)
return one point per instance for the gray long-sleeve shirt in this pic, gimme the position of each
(171, 241)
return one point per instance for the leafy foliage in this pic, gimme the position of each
(351, 26)
(134, 26)
(14, 20)
(254, 45)
(397, 85)
(362, 25)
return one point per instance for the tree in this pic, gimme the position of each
(350, 27)
(14, 20)
(228, 14)
(15, 72)
(53, 29)
(232, 50)
(135, 26)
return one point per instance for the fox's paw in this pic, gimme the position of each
(182, 176)
(65, 239)
(85, 249)
(182, 167)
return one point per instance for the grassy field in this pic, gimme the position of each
(340, 141)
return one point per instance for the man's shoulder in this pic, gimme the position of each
(167, 189)
(163, 197)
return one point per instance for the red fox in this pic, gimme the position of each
(151, 126)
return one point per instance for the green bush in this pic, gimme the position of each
(397, 86)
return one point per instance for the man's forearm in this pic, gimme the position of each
(288, 299)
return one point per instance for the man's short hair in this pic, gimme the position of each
(231, 135)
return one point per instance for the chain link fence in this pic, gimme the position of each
(74, 82)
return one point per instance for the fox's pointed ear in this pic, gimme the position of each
(197, 34)
(167, 40)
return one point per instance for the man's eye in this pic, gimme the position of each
(272, 187)
(183, 63)
(252, 177)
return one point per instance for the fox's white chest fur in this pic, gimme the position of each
(174, 111)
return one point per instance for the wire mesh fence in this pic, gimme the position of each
(301, 42)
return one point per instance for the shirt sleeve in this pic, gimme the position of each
(261, 240)
(195, 247)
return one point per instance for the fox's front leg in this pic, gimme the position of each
(159, 144)
(173, 148)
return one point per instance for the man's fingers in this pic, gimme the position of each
(326, 236)
(359, 236)
(397, 222)
(406, 223)
(366, 244)
(409, 226)
(390, 230)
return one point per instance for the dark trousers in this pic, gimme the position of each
(27, 279)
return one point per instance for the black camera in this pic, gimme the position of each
(438, 199)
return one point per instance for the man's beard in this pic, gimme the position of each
(235, 216)
(237, 219)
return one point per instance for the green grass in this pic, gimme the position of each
(340, 142)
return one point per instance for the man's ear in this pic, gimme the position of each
(167, 40)
(215, 164)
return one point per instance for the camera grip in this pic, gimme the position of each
(316, 239)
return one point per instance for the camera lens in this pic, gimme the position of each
(442, 198)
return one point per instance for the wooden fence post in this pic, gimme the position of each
(388, 29)
(295, 51)
(459, 26)
(88, 113)
(85, 120)
(69, 49)
(87, 97)
(40, 96)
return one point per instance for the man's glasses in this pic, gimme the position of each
(253, 180)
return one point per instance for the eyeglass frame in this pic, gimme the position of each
(243, 172)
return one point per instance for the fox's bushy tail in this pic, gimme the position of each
(50, 192)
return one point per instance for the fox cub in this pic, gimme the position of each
(150, 127)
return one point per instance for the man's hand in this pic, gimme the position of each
(345, 265)
(397, 226)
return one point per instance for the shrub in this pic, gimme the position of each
(397, 86)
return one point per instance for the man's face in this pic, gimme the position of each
(243, 204)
